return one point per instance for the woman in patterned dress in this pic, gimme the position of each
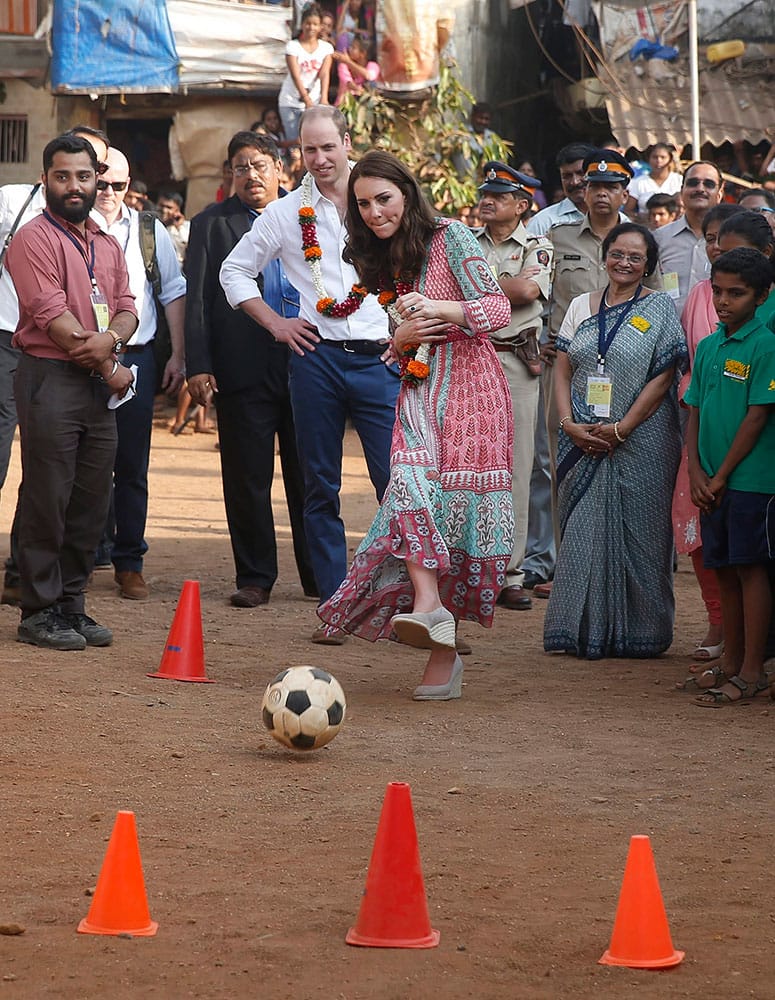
(440, 543)
(613, 585)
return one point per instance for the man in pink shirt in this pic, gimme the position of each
(75, 314)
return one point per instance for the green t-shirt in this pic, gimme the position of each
(729, 375)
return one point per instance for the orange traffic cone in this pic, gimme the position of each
(641, 935)
(394, 910)
(120, 905)
(184, 654)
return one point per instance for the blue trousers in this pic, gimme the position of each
(134, 421)
(328, 386)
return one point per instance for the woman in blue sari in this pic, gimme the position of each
(620, 352)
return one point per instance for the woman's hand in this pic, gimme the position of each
(607, 434)
(416, 306)
(584, 437)
(419, 331)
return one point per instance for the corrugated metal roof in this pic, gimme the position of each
(730, 108)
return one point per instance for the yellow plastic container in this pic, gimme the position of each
(725, 50)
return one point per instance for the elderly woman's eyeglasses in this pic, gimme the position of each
(632, 258)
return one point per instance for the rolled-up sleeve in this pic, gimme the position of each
(241, 268)
(36, 267)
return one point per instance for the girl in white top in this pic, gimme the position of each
(309, 68)
(663, 179)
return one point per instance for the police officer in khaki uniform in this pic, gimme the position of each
(522, 264)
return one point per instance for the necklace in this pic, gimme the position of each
(414, 363)
(313, 254)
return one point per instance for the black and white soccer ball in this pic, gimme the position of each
(303, 707)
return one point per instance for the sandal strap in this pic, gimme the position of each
(739, 683)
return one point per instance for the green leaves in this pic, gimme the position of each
(430, 135)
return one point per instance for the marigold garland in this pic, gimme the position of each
(313, 254)
(414, 362)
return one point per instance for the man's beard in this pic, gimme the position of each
(72, 213)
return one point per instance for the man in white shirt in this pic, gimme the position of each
(338, 341)
(19, 204)
(134, 419)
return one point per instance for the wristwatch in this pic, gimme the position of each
(118, 343)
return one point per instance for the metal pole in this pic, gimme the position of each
(694, 74)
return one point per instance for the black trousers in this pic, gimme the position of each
(249, 421)
(68, 444)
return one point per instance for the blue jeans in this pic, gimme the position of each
(328, 385)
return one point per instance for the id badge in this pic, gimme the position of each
(101, 312)
(670, 284)
(599, 395)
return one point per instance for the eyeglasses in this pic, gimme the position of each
(261, 167)
(116, 185)
(762, 209)
(631, 258)
(706, 182)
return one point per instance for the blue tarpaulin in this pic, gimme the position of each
(113, 46)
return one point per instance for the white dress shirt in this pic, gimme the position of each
(277, 233)
(12, 198)
(125, 229)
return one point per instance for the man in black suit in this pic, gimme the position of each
(236, 362)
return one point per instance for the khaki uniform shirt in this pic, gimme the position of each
(578, 268)
(507, 259)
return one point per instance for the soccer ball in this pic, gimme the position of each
(303, 708)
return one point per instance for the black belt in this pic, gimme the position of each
(136, 348)
(356, 346)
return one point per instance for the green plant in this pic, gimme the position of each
(430, 135)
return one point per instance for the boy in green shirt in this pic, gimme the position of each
(731, 448)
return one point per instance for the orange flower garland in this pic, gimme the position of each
(413, 363)
(313, 254)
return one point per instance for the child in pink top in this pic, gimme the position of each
(354, 69)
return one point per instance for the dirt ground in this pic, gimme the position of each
(525, 795)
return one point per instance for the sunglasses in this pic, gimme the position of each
(116, 185)
(707, 183)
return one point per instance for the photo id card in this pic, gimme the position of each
(99, 306)
(599, 395)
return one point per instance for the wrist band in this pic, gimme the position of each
(617, 435)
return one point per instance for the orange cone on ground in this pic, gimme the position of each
(641, 935)
(184, 653)
(394, 909)
(120, 905)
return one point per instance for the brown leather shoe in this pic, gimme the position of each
(249, 597)
(132, 585)
(543, 589)
(515, 599)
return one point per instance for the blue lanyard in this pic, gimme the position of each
(604, 340)
(89, 263)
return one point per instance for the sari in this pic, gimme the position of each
(613, 585)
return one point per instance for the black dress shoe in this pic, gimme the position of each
(249, 597)
(531, 579)
(515, 598)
